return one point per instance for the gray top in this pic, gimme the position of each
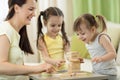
(96, 49)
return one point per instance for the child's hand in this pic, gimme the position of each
(97, 59)
(49, 68)
(81, 60)
(58, 63)
(76, 60)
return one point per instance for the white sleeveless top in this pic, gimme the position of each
(15, 53)
(107, 67)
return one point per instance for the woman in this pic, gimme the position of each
(14, 42)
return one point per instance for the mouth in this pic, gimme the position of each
(29, 18)
(84, 40)
(55, 32)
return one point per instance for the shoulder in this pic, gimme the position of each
(5, 29)
(5, 26)
(103, 37)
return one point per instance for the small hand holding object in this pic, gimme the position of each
(58, 63)
(76, 60)
(97, 59)
(81, 60)
(49, 68)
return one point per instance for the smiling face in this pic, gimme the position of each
(85, 34)
(54, 24)
(26, 11)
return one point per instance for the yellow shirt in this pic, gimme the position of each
(55, 48)
(15, 53)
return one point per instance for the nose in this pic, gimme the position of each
(80, 36)
(33, 13)
(58, 28)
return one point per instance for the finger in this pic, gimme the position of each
(56, 64)
(81, 60)
(62, 61)
(54, 68)
(49, 70)
(93, 60)
(99, 60)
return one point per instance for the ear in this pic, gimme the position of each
(45, 22)
(16, 8)
(93, 29)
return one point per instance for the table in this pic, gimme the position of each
(91, 77)
(84, 67)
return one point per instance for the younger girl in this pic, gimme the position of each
(98, 43)
(54, 42)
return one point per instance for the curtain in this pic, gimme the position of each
(110, 9)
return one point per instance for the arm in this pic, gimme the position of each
(66, 46)
(8, 68)
(42, 47)
(111, 53)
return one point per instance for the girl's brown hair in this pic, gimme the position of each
(90, 21)
(51, 11)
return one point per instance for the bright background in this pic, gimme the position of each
(110, 9)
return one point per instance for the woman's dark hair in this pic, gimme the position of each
(51, 11)
(90, 21)
(24, 42)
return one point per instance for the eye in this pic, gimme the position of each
(82, 33)
(59, 25)
(53, 25)
(77, 34)
(31, 9)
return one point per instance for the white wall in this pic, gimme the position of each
(3, 9)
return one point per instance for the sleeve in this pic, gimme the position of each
(5, 31)
(105, 35)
